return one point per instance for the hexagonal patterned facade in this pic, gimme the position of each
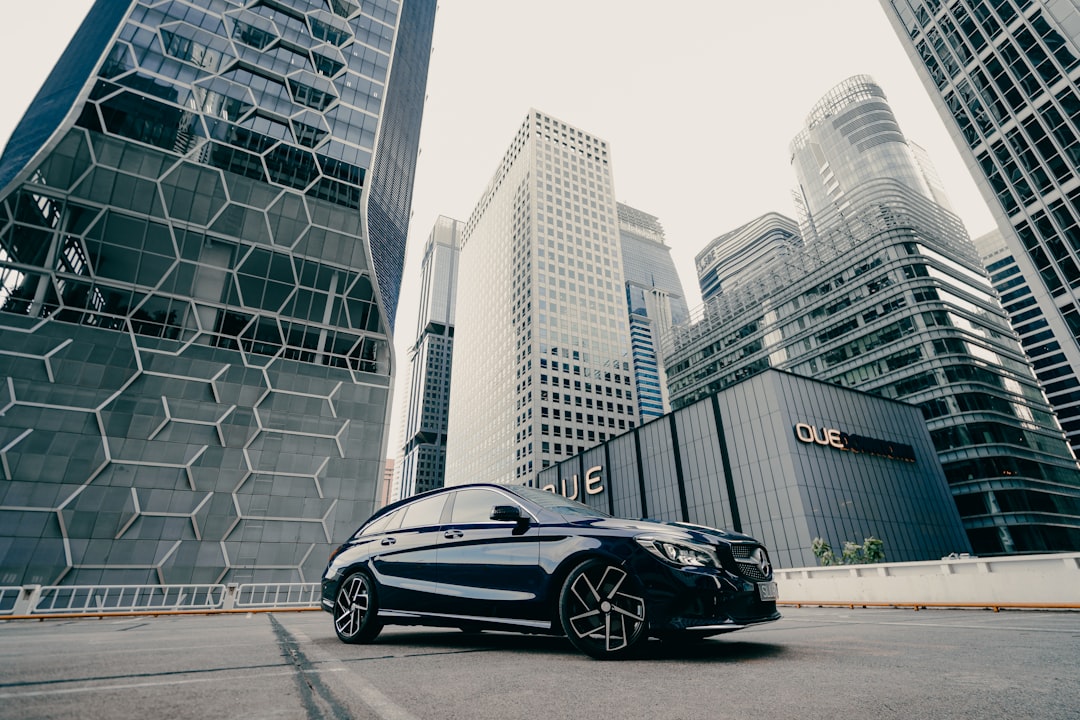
(202, 227)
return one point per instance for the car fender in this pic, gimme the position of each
(588, 549)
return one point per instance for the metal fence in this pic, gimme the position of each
(9, 597)
(68, 600)
(127, 598)
(277, 595)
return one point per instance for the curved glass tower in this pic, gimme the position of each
(851, 137)
(202, 226)
(744, 252)
(888, 296)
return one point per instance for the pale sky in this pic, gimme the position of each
(698, 100)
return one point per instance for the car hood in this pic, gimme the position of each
(696, 533)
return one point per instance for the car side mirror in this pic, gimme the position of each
(507, 513)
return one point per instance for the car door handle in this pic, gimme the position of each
(451, 534)
(388, 541)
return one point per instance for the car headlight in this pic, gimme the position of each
(679, 552)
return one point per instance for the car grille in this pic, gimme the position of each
(748, 568)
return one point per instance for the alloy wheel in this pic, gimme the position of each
(354, 610)
(602, 611)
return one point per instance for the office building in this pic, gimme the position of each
(389, 471)
(1026, 315)
(738, 255)
(655, 299)
(1003, 76)
(785, 459)
(542, 364)
(889, 297)
(204, 217)
(423, 453)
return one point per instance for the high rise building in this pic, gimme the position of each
(204, 216)
(655, 299)
(889, 297)
(745, 251)
(851, 137)
(387, 482)
(423, 453)
(1003, 76)
(542, 364)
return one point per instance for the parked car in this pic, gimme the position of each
(517, 558)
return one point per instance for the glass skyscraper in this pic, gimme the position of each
(423, 454)
(655, 299)
(1004, 76)
(744, 252)
(542, 364)
(888, 296)
(203, 221)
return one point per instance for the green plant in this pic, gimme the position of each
(872, 550)
(823, 552)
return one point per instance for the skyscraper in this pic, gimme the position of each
(851, 137)
(204, 216)
(655, 299)
(888, 296)
(423, 454)
(542, 365)
(744, 252)
(1002, 75)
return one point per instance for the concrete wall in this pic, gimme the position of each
(1030, 579)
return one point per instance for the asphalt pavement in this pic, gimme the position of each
(815, 663)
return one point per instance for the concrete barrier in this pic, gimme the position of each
(1016, 581)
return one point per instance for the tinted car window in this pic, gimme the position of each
(473, 506)
(381, 524)
(558, 503)
(424, 512)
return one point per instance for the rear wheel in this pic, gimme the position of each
(355, 610)
(602, 610)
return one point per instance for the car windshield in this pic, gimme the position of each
(558, 503)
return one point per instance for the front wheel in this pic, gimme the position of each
(355, 610)
(602, 610)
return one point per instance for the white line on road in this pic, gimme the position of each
(156, 683)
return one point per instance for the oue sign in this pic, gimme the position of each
(831, 437)
(570, 489)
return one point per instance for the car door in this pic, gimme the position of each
(488, 568)
(404, 563)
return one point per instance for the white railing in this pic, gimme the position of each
(9, 598)
(67, 600)
(277, 595)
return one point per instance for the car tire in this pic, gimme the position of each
(356, 610)
(602, 610)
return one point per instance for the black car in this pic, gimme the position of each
(517, 558)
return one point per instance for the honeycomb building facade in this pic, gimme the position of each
(202, 226)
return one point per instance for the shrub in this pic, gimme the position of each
(872, 550)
